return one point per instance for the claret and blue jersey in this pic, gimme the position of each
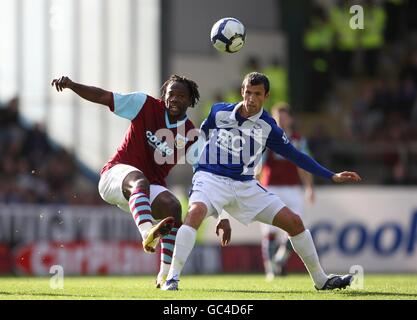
(152, 144)
(234, 144)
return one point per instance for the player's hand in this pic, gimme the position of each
(224, 224)
(62, 83)
(346, 176)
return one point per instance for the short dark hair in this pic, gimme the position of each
(190, 84)
(256, 78)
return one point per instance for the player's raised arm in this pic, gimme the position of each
(89, 93)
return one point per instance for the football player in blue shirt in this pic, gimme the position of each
(235, 136)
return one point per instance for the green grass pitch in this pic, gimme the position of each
(207, 287)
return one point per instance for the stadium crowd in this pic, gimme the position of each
(360, 86)
(366, 80)
(33, 169)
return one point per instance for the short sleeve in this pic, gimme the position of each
(128, 105)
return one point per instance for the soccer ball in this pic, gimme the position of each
(228, 35)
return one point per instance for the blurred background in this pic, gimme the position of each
(352, 91)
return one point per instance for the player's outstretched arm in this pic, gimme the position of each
(346, 176)
(89, 93)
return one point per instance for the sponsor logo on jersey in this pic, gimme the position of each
(230, 142)
(155, 142)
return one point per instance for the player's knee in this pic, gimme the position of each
(297, 225)
(167, 205)
(173, 209)
(133, 181)
(140, 183)
(196, 214)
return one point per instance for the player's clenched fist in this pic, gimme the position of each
(62, 83)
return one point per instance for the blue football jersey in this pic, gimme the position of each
(234, 145)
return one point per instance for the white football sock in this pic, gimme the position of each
(164, 269)
(184, 243)
(144, 229)
(304, 246)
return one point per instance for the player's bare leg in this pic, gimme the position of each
(185, 243)
(135, 188)
(166, 205)
(303, 245)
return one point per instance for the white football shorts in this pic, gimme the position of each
(293, 198)
(246, 201)
(110, 186)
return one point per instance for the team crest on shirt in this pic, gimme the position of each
(180, 141)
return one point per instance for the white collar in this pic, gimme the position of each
(253, 118)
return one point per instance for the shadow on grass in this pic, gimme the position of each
(3, 293)
(348, 292)
(249, 291)
(358, 293)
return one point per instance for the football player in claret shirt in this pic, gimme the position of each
(134, 177)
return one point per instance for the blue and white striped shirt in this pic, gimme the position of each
(234, 145)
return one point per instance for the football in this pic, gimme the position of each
(228, 35)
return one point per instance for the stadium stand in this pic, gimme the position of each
(35, 170)
(362, 90)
